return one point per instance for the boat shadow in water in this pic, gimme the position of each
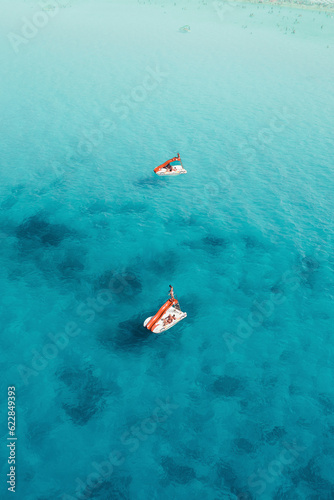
(148, 182)
(129, 335)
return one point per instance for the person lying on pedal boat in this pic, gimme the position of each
(169, 320)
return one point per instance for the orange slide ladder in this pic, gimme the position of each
(160, 167)
(154, 320)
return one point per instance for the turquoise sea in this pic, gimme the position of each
(237, 401)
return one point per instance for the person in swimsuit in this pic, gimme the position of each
(168, 320)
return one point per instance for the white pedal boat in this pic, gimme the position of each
(160, 327)
(177, 170)
(165, 168)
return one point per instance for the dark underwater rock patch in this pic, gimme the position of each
(70, 267)
(310, 474)
(227, 386)
(182, 474)
(276, 289)
(133, 207)
(227, 477)
(193, 244)
(210, 244)
(12, 199)
(164, 264)
(282, 493)
(251, 242)
(193, 453)
(242, 444)
(86, 394)
(295, 390)
(189, 220)
(120, 284)
(327, 403)
(226, 472)
(306, 279)
(50, 494)
(305, 271)
(82, 412)
(275, 435)
(310, 264)
(37, 230)
(244, 495)
(106, 338)
(214, 241)
(116, 488)
(18, 189)
(105, 280)
(37, 435)
(9, 202)
(228, 481)
(99, 206)
(76, 379)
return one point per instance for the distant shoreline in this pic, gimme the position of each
(317, 6)
(296, 4)
(321, 6)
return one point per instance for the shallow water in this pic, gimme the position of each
(91, 239)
